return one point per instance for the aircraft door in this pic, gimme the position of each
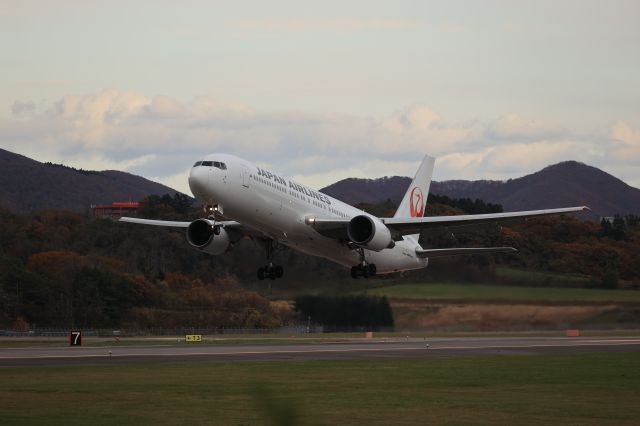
(245, 176)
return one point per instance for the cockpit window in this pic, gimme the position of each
(216, 164)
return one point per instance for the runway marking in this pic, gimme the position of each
(337, 350)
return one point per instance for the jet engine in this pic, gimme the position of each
(206, 237)
(369, 232)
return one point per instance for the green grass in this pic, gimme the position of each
(587, 389)
(526, 276)
(482, 292)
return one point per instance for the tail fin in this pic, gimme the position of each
(415, 199)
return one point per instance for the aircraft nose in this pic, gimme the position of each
(198, 181)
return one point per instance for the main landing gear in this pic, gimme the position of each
(270, 271)
(363, 269)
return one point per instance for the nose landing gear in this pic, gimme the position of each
(270, 271)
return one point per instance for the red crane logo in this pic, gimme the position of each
(416, 203)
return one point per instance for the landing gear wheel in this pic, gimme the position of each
(270, 271)
(365, 271)
(278, 271)
(372, 270)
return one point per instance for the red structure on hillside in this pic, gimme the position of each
(114, 210)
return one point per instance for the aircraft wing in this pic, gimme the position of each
(399, 226)
(235, 229)
(407, 226)
(332, 228)
(174, 224)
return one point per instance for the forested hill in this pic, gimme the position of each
(564, 184)
(28, 185)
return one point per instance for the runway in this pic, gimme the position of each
(356, 349)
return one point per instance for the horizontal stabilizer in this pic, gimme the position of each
(432, 253)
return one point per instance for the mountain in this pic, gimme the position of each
(565, 184)
(354, 190)
(28, 185)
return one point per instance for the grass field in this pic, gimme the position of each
(593, 389)
(533, 277)
(479, 292)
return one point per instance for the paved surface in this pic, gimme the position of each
(357, 349)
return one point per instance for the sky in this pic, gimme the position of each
(325, 90)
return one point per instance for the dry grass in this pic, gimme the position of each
(412, 315)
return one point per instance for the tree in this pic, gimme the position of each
(346, 312)
(615, 229)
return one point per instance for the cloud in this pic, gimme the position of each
(627, 143)
(160, 137)
(513, 157)
(516, 128)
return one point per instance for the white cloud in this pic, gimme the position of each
(176, 181)
(514, 127)
(160, 137)
(96, 161)
(459, 165)
(515, 157)
(627, 143)
(621, 131)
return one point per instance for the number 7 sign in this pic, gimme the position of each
(75, 338)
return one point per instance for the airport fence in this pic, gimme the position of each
(295, 329)
(61, 332)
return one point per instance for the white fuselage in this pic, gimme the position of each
(277, 206)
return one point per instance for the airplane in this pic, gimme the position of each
(242, 200)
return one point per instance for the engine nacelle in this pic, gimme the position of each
(369, 232)
(201, 235)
